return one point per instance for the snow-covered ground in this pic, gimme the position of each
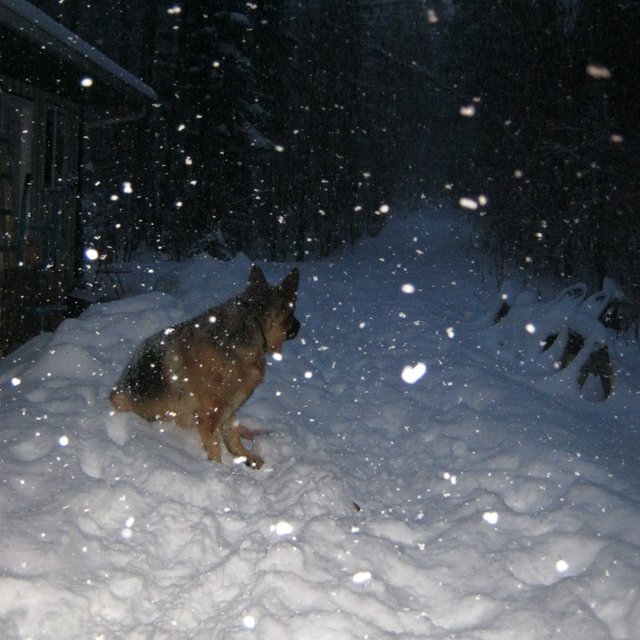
(420, 482)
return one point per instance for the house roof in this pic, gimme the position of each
(35, 25)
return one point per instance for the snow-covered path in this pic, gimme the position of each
(464, 502)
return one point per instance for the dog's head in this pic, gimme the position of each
(278, 303)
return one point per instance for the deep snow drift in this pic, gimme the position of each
(418, 483)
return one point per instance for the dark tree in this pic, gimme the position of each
(210, 126)
(554, 142)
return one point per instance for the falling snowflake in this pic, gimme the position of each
(490, 517)
(249, 622)
(361, 577)
(411, 374)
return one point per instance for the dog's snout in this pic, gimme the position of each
(294, 327)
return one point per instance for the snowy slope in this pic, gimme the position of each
(417, 484)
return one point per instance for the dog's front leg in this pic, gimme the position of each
(209, 427)
(232, 435)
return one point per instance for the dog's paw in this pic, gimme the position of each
(250, 460)
(253, 461)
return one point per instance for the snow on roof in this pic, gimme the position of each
(37, 26)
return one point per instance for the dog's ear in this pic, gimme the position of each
(289, 285)
(256, 277)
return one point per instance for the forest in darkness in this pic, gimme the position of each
(286, 129)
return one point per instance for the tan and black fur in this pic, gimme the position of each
(199, 372)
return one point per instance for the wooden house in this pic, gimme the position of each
(50, 80)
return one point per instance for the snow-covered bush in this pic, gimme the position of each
(564, 340)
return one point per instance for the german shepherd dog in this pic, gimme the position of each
(199, 372)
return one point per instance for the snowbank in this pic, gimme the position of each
(415, 484)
